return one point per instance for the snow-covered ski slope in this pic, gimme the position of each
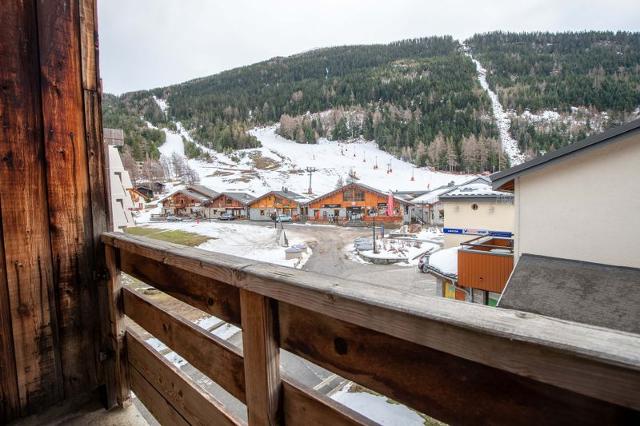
(509, 145)
(282, 163)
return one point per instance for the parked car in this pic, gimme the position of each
(227, 216)
(423, 262)
(172, 218)
(284, 218)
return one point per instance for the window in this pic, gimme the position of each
(474, 206)
(227, 200)
(353, 195)
(261, 212)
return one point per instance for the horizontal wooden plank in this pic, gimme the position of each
(159, 407)
(214, 357)
(204, 293)
(184, 395)
(573, 356)
(433, 382)
(303, 407)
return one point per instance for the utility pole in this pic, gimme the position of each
(310, 170)
(374, 235)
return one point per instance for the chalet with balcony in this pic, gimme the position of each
(77, 341)
(284, 202)
(234, 203)
(359, 202)
(576, 238)
(188, 202)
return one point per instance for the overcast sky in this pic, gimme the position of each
(151, 43)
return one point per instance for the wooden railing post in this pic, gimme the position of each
(116, 366)
(261, 359)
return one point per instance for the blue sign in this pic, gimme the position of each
(472, 231)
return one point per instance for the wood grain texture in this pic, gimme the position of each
(28, 290)
(443, 386)
(116, 366)
(261, 359)
(219, 360)
(572, 356)
(68, 190)
(184, 395)
(206, 294)
(153, 400)
(303, 406)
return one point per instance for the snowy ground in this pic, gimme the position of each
(244, 240)
(400, 248)
(503, 121)
(377, 407)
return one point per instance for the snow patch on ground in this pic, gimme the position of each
(503, 122)
(226, 331)
(255, 242)
(376, 407)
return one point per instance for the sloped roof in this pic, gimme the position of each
(191, 194)
(475, 190)
(208, 192)
(361, 185)
(591, 293)
(611, 135)
(241, 197)
(290, 195)
(434, 195)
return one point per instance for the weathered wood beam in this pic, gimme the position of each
(223, 363)
(261, 359)
(572, 356)
(116, 366)
(184, 395)
(68, 190)
(219, 360)
(153, 400)
(449, 388)
(211, 296)
(28, 297)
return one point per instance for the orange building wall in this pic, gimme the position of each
(274, 202)
(179, 201)
(370, 200)
(484, 271)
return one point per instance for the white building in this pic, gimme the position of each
(119, 185)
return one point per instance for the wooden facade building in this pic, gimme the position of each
(356, 201)
(234, 203)
(283, 202)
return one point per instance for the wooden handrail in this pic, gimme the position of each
(586, 372)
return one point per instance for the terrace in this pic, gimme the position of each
(70, 329)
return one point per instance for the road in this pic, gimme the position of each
(329, 258)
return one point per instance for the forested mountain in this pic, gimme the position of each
(418, 99)
(591, 80)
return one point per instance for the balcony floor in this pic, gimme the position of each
(91, 413)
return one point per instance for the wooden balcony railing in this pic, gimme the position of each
(457, 362)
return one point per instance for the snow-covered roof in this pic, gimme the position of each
(475, 190)
(201, 189)
(432, 196)
(191, 194)
(445, 262)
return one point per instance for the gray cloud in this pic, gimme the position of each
(152, 43)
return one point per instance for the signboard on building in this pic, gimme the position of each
(474, 231)
(331, 206)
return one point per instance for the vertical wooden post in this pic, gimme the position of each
(116, 367)
(261, 359)
(29, 317)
